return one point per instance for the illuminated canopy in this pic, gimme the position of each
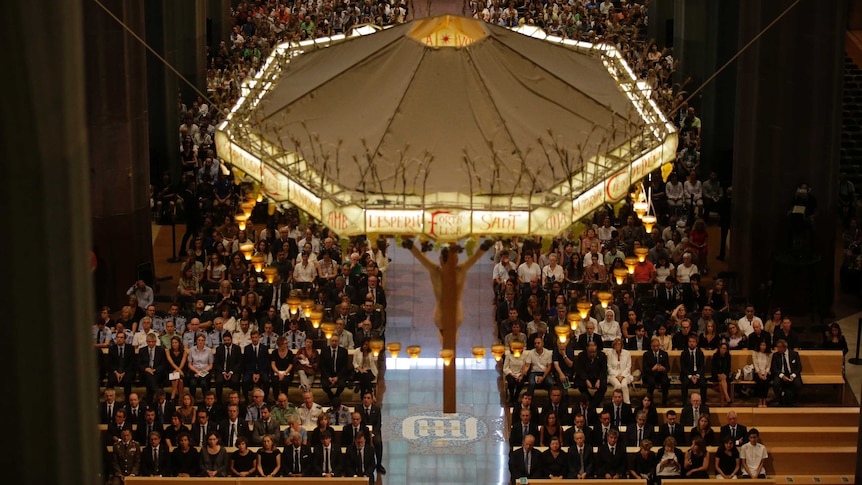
(448, 127)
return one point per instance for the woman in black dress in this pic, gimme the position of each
(727, 461)
(647, 407)
(282, 365)
(185, 459)
(554, 460)
(644, 462)
(268, 458)
(323, 427)
(834, 339)
(702, 430)
(721, 372)
(214, 460)
(696, 460)
(243, 462)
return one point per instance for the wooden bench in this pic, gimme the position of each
(819, 367)
(808, 460)
(245, 481)
(711, 481)
(819, 416)
(789, 460)
(589, 481)
(821, 479)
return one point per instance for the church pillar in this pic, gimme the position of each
(48, 400)
(116, 115)
(788, 120)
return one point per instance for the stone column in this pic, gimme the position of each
(116, 115)
(788, 120)
(50, 399)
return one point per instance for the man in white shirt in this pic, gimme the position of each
(309, 410)
(242, 337)
(552, 272)
(537, 366)
(143, 292)
(500, 274)
(528, 270)
(140, 340)
(752, 455)
(746, 323)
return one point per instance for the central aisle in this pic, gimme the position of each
(423, 446)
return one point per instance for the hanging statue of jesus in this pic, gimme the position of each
(447, 278)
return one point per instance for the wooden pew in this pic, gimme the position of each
(820, 416)
(590, 481)
(821, 479)
(245, 481)
(788, 460)
(808, 460)
(819, 367)
(711, 481)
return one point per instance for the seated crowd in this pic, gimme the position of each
(229, 327)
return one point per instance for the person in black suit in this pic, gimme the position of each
(639, 431)
(692, 371)
(784, 332)
(733, 430)
(296, 458)
(335, 368)
(356, 427)
(584, 409)
(611, 461)
(656, 363)
(155, 458)
(163, 407)
(526, 402)
(121, 365)
(671, 428)
(693, 410)
(589, 335)
(233, 427)
(373, 418)
(758, 335)
(679, 341)
(213, 408)
(227, 365)
(255, 364)
(367, 312)
(600, 431)
(581, 458)
(149, 425)
(554, 460)
(327, 459)
(360, 460)
(506, 316)
(640, 342)
(153, 364)
(579, 426)
(786, 368)
(135, 408)
(116, 427)
(621, 413)
(201, 428)
(557, 405)
(592, 373)
(375, 291)
(525, 425)
(667, 298)
(109, 407)
(526, 461)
